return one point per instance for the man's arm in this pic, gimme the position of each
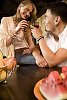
(51, 57)
(40, 61)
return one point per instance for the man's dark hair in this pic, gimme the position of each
(59, 9)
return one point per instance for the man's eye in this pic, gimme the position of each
(45, 16)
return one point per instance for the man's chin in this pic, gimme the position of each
(47, 30)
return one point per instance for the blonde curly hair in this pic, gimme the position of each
(17, 17)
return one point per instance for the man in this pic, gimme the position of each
(54, 46)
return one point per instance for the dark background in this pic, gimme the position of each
(8, 7)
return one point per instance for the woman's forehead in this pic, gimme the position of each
(29, 7)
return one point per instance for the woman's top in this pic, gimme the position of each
(7, 28)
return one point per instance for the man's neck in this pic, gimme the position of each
(59, 29)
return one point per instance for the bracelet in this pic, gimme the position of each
(37, 40)
(13, 36)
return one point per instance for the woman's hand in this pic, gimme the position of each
(41, 62)
(21, 26)
(37, 32)
(28, 50)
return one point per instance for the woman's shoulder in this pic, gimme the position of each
(6, 18)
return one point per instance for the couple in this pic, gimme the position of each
(51, 49)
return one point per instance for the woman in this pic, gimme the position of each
(15, 31)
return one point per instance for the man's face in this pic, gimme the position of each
(49, 21)
(26, 11)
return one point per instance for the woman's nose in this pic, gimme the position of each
(28, 13)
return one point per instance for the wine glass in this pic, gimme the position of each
(34, 24)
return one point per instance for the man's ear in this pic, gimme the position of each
(57, 20)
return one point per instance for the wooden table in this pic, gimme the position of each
(21, 83)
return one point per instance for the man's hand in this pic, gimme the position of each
(41, 62)
(37, 32)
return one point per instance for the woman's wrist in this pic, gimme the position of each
(16, 30)
(13, 36)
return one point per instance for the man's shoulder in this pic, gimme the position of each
(64, 32)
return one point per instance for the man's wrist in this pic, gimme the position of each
(39, 38)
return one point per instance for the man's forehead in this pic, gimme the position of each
(48, 11)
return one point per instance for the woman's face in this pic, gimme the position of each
(49, 21)
(26, 11)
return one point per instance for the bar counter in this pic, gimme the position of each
(20, 84)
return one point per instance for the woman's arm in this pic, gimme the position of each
(5, 31)
(31, 44)
(30, 41)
